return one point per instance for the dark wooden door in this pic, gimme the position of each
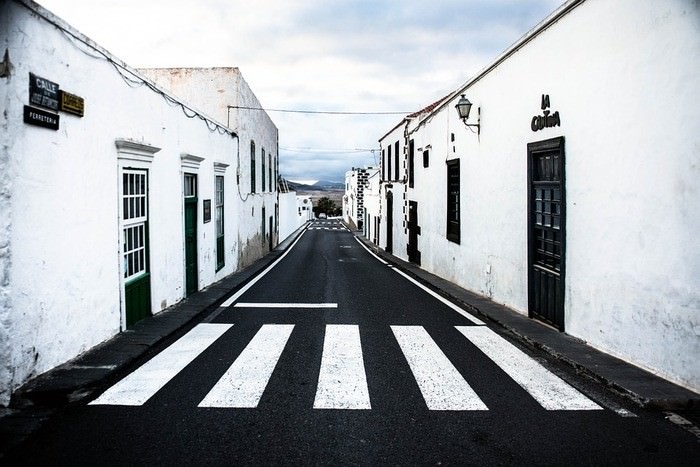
(191, 279)
(413, 232)
(546, 231)
(389, 222)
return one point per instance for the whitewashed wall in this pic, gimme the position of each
(213, 90)
(396, 186)
(60, 287)
(622, 76)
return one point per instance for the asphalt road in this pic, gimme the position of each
(334, 358)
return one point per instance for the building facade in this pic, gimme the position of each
(356, 182)
(224, 94)
(573, 194)
(117, 197)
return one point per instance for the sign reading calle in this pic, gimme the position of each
(42, 92)
(540, 122)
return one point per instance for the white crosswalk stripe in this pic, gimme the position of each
(142, 384)
(243, 384)
(442, 386)
(548, 389)
(342, 383)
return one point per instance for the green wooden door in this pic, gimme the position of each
(137, 278)
(190, 245)
(138, 299)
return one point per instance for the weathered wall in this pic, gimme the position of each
(632, 168)
(62, 291)
(214, 90)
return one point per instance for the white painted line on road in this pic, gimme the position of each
(139, 386)
(244, 382)
(370, 251)
(440, 298)
(441, 384)
(549, 390)
(342, 383)
(245, 288)
(285, 305)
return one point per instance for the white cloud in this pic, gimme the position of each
(351, 55)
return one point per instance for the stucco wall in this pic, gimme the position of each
(632, 164)
(213, 90)
(61, 293)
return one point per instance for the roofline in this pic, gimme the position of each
(542, 26)
(58, 22)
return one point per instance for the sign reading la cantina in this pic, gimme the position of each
(548, 119)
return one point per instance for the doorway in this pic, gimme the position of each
(413, 232)
(135, 248)
(389, 222)
(546, 231)
(191, 279)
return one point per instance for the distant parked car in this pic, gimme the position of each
(322, 215)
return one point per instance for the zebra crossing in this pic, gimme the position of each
(342, 381)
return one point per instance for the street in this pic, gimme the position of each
(334, 357)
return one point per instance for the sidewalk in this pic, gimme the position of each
(103, 365)
(642, 387)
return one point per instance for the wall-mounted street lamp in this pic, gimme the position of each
(463, 108)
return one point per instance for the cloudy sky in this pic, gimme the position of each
(320, 55)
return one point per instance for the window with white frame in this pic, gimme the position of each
(220, 257)
(135, 220)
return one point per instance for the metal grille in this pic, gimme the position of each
(135, 217)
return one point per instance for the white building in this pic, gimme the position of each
(356, 181)
(117, 198)
(576, 200)
(225, 95)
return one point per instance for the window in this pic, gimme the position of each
(190, 188)
(135, 216)
(269, 168)
(262, 172)
(388, 160)
(220, 257)
(426, 158)
(411, 163)
(252, 167)
(396, 161)
(383, 165)
(453, 200)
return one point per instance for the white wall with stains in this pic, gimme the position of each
(61, 259)
(623, 76)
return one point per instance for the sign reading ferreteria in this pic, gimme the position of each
(39, 117)
(548, 119)
(71, 103)
(42, 92)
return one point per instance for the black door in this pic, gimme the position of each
(389, 222)
(413, 232)
(546, 231)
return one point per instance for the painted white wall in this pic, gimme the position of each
(60, 249)
(632, 169)
(215, 90)
(398, 187)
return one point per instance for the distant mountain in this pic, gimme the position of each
(322, 185)
(330, 185)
